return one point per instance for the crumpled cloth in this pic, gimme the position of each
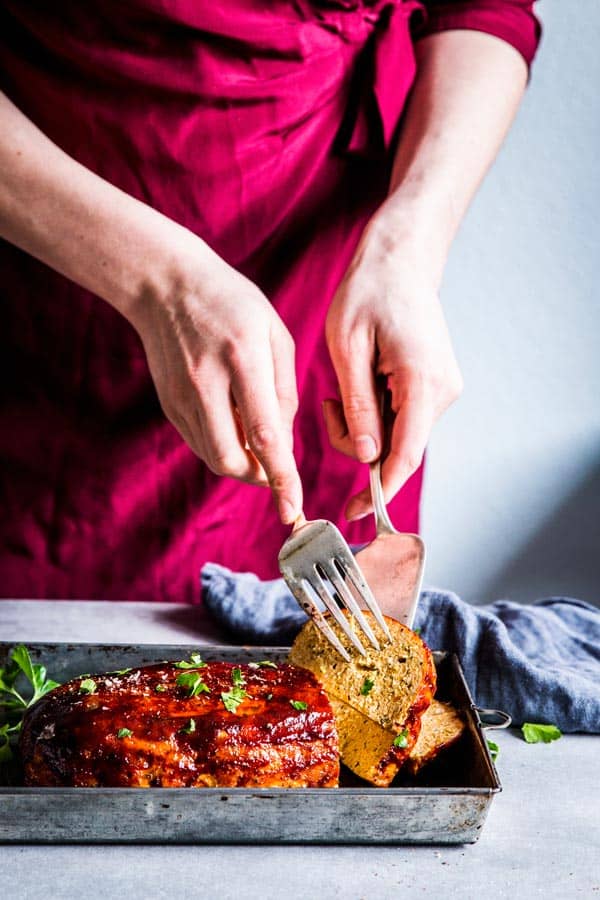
(538, 662)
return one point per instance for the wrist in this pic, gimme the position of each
(405, 233)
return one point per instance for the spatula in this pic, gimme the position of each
(392, 564)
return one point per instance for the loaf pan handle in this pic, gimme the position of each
(492, 718)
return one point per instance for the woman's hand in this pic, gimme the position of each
(223, 365)
(386, 319)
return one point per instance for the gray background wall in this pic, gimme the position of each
(512, 500)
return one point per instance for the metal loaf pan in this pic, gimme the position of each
(446, 804)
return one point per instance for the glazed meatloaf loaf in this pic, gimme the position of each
(186, 724)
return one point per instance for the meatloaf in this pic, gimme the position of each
(187, 724)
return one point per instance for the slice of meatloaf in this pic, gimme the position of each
(378, 699)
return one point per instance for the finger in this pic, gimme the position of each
(410, 432)
(254, 393)
(337, 429)
(283, 350)
(221, 437)
(353, 364)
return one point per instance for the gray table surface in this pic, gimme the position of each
(541, 838)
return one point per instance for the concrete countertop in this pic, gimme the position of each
(541, 838)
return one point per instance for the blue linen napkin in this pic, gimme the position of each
(539, 663)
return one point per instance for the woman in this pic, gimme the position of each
(206, 187)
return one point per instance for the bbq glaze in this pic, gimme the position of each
(70, 738)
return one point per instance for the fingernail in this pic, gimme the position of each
(365, 447)
(287, 512)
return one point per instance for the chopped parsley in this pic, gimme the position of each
(417, 630)
(160, 688)
(232, 699)
(194, 663)
(367, 686)
(120, 671)
(535, 732)
(267, 664)
(401, 740)
(193, 683)
(299, 704)
(124, 732)
(237, 678)
(88, 686)
(494, 750)
(189, 728)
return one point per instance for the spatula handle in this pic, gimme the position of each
(383, 523)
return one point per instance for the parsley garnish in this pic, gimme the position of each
(193, 682)
(401, 740)
(267, 664)
(14, 702)
(417, 630)
(534, 732)
(194, 663)
(124, 732)
(88, 686)
(299, 704)
(237, 678)
(189, 728)
(494, 750)
(367, 686)
(232, 699)
(160, 688)
(120, 671)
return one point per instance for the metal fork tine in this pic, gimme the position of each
(311, 608)
(348, 599)
(365, 591)
(320, 588)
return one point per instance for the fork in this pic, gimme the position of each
(316, 562)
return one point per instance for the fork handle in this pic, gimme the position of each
(383, 523)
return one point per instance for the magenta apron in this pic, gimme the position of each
(265, 128)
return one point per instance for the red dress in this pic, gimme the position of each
(265, 128)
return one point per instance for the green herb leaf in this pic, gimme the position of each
(88, 686)
(124, 732)
(494, 750)
(194, 663)
(189, 728)
(534, 732)
(237, 678)
(232, 699)
(194, 684)
(299, 704)
(160, 688)
(367, 686)
(14, 702)
(120, 671)
(401, 740)
(6, 753)
(417, 630)
(267, 664)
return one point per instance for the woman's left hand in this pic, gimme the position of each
(386, 319)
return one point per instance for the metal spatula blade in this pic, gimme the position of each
(393, 563)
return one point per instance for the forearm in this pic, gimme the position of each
(82, 226)
(465, 96)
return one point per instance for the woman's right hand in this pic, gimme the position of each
(222, 362)
(221, 358)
